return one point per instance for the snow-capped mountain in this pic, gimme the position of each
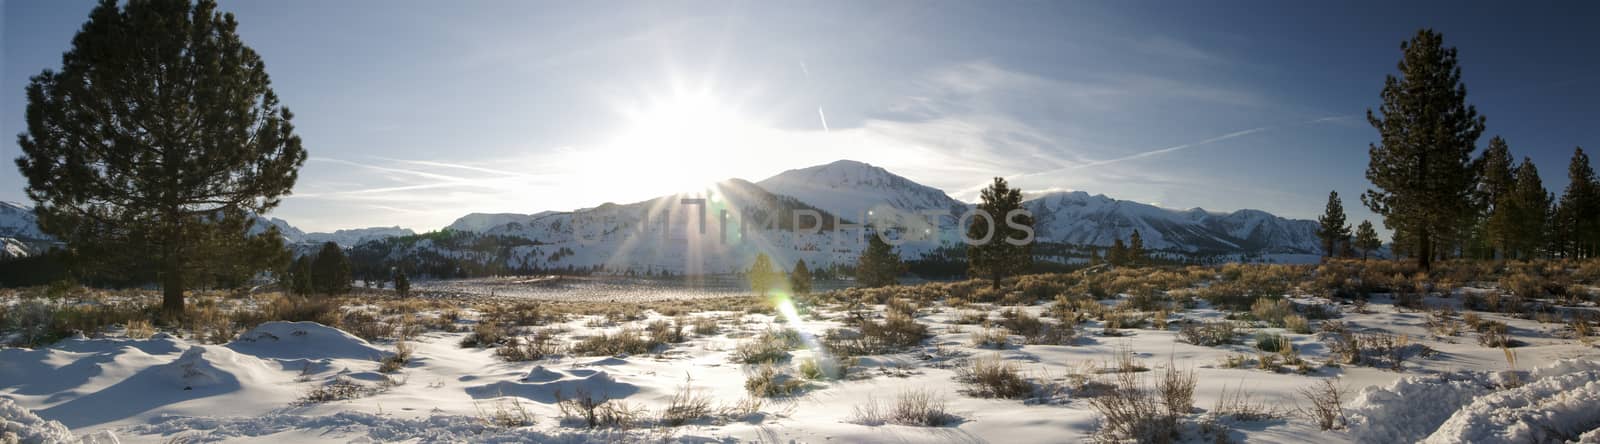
(1081, 219)
(345, 238)
(18, 222)
(851, 189)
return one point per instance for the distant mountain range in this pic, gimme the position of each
(742, 219)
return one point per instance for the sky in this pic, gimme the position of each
(416, 113)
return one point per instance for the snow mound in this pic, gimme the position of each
(1560, 403)
(1561, 400)
(18, 424)
(541, 374)
(214, 367)
(592, 382)
(303, 340)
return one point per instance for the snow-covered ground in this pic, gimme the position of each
(256, 388)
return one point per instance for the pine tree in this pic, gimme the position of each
(1118, 254)
(997, 258)
(1135, 250)
(1524, 214)
(761, 275)
(300, 277)
(1580, 209)
(1367, 239)
(159, 120)
(330, 271)
(878, 266)
(1495, 180)
(800, 279)
(1428, 133)
(1331, 226)
(402, 284)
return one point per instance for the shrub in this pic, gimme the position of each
(543, 344)
(991, 338)
(1129, 413)
(597, 411)
(1297, 324)
(771, 346)
(897, 331)
(828, 368)
(1494, 334)
(993, 378)
(706, 326)
(625, 341)
(1270, 342)
(393, 363)
(485, 334)
(140, 329)
(769, 382)
(1208, 334)
(1271, 311)
(366, 326)
(1326, 400)
(910, 408)
(508, 413)
(665, 332)
(685, 406)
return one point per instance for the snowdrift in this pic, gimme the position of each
(18, 424)
(1555, 403)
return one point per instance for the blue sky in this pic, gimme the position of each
(417, 113)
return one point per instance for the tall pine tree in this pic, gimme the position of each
(1117, 256)
(330, 271)
(159, 121)
(1523, 214)
(1331, 226)
(1135, 249)
(1495, 181)
(1427, 132)
(996, 259)
(1579, 212)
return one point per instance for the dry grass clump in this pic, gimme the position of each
(918, 408)
(686, 405)
(897, 331)
(992, 377)
(666, 332)
(706, 326)
(626, 341)
(1242, 406)
(970, 317)
(1443, 323)
(1494, 334)
(393, 363)
(366, 326)
(139, 329)
(1378, 350)
(595, 411)
(507, 413)
(1034, 330)
(541, 345)
(485, 334)
(1209, 334)
(826, 368)
(1270, 342)
(1272, 311)
(1326, 399)
(1130, 412)
(768, 381)
(995, 338)
(769, 347)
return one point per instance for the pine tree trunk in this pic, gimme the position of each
(1425, 250)
(172, 284)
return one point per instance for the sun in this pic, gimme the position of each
(681, 142)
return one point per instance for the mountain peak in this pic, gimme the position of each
(851, 189)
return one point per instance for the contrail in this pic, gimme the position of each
(824, 118)
(1157, 152)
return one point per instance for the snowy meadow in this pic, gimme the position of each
(1348, 351)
